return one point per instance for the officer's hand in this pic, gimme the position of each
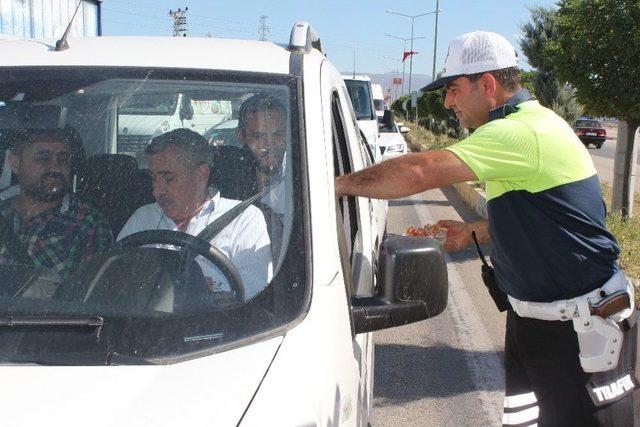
(458, 234)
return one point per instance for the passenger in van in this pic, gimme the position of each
(44, 223)
(180, 165)
(262, 127)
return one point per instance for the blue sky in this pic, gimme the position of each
(344, 26)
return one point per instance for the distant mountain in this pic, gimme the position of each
(418, 81)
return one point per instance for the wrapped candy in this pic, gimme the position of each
(428, 230)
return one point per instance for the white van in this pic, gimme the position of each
(361, 94)
(378, 99)
(135, 336)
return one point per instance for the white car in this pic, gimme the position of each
(135, 336)
(392, 143)
(361, 95)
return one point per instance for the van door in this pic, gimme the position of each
(355, 222)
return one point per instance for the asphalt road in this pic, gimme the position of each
(445, 371)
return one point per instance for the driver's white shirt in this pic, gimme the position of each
(245, 240)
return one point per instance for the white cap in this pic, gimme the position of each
(475, 52)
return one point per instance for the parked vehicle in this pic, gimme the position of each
(361, 95)
(361, 106)
(142, 116)
(392, 143)
(378, 99)
(135, 336)
(590, 132)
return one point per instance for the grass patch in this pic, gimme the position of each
(627, 232)
(428, 139)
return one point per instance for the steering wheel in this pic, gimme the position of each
(190, 245)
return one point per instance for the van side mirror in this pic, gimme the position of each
(412, 285)
(404, 129)
(186, 108)
(388, 118)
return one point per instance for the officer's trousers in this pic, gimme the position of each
(545, 384)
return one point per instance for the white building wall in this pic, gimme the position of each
(48, 18)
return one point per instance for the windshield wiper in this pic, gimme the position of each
(89, 321)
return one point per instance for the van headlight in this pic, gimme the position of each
(397, 148)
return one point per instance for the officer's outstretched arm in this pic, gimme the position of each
(406, 175)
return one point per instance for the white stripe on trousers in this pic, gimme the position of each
(518, 401)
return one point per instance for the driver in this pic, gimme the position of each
(44, 220)
(179, 164)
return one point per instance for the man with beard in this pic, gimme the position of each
(43, 224)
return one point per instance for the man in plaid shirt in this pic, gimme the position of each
(55, 229)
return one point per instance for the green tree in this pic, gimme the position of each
(535, 35)
(596, 50)
(526, 80)
(566, 105)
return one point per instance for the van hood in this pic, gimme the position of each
(212, 390)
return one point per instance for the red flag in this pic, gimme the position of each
(406, 54)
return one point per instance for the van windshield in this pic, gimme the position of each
(360, 94)
(146, 215)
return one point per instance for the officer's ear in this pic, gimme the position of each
(488, 84)
(202, 173)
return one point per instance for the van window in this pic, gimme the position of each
(360, 94)
(127, 258)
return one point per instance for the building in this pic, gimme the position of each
(49, 18)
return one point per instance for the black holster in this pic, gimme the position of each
(489, 278)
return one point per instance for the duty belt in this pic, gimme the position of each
(596, 317)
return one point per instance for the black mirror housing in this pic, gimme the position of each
(412, 285)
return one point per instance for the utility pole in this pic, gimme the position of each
(404, 49)
(179, 22)
(435, 44)
(413, 17)
(264, 30)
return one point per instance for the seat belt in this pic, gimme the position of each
(213, 229)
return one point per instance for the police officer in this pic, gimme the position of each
(552, 253)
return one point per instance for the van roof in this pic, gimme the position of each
(165, 52)
(361, 77)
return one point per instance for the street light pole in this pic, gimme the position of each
(404, 49)
(404, 64)
(413, 17)
(435, 44)
(395, 86)
(411, 56)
